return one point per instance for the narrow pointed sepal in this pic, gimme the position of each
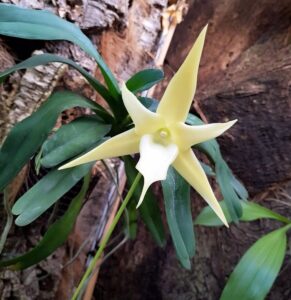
(189, 167)
(122, 144)
(187, 136)
(144, 120)
(177, 99)
(155, 159)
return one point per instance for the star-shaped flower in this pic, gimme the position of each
(162, 138)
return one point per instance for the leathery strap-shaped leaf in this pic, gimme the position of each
(250, 212)
(72, 139)
(54, 237)
(144, 80)
(178, 210)
(46, 192)
(27, 136)
(257, 270)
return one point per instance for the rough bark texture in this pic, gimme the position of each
(134, 47)
(6, 61)
(34, 87)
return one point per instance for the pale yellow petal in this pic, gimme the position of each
(189, 167)
(144, 120)
(155, 159)
(121, 144)
(179, 94)
(187, 136)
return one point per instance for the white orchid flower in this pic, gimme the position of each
(162, 138)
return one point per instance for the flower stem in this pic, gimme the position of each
(9, 221)
(104, 241)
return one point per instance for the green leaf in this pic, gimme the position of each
(43, 25)
(131, 228)
(257, 270)
(251, 212)
(56, 235)
(178, 210)
(73, 139)
(239, 188)
(37, 163)
(44, 59)
(150, 103)
(28, 135)
(144, 80)
(224, 177)
(149, 209)
(230, 187)
(208, 217)
(46, 192)
(207, 169)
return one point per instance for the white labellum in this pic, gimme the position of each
(155, 159)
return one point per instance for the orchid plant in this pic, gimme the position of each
(163, 133)
(162, 138)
